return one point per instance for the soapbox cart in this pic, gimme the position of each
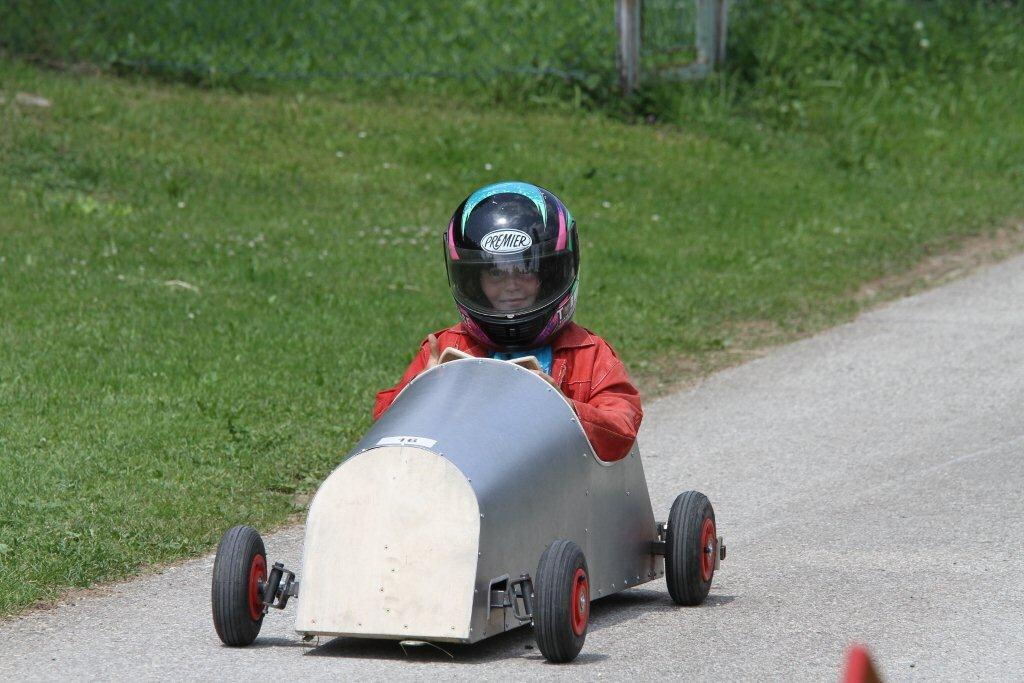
(473, 506)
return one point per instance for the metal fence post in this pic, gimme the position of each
(712, 18)
(627, 20)
(721, 30)
(705, 35)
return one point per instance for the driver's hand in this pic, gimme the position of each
(435, 353)
(546, 377)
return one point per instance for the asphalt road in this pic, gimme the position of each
(868, 482)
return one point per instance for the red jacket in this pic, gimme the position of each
(587, 371)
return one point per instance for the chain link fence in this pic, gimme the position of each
(667, 34)
(288, 40)
(310, 39)
(683, 39)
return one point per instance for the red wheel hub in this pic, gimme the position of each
(579, 606)
(257, 578)
(708, 547)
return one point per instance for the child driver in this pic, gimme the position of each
(513, 265)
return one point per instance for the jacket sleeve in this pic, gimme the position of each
(611, 416)
(384, 398)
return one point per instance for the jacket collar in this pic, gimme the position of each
(571, 336)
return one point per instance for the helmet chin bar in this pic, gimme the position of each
(504, 334)
(521, 331)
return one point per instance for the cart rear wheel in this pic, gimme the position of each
(690, 548)
(239, 573)
(561, 605)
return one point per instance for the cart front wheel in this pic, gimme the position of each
(690, 548)
(561, 606)
(239, 574)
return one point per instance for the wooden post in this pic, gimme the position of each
(627, 20)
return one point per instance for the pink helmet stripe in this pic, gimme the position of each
(560, 244)
(451, 241)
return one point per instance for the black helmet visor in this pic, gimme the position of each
(508, 284)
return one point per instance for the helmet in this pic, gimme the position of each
(513, 265)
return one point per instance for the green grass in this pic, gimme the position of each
(267, 40)
(139, 417)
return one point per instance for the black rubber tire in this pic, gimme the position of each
(230, 593)
(683, 549)
(553, 601)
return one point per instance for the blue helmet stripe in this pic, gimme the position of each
(515, 187)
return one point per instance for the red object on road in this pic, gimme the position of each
(859, 668)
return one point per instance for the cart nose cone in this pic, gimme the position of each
(385, 531)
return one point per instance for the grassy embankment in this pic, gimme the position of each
(201, 290)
